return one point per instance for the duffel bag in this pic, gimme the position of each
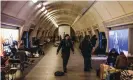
(59, 73)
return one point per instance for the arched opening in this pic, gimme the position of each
(62, 30)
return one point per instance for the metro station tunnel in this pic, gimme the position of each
(66, 40)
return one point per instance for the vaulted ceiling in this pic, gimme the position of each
(81, 15)
(42, 14)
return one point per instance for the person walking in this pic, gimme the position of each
(86, 48)
(66, 45)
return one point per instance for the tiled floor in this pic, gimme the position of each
(51, 62)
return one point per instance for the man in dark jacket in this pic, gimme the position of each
(86, 48)
(93, 40)
(66, 45)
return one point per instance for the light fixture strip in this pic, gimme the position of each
(34, 1)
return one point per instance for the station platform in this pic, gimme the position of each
(50, 63)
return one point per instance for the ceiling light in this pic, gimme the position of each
(44, 3)
(34, 1)
(43, 8)
(39, 5)
(45, 11)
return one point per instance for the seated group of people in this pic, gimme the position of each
(117, 60)
(11, 54)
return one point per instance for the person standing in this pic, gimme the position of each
(66, 45)
(60, 38)
(86, 48)
(93, 40)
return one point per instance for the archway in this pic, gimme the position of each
(72, 32)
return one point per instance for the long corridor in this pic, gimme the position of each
(51, 63)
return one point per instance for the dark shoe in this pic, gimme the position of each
(86, 70)
(65, 71)
(90, 67)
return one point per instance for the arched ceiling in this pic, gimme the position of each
(84, 14)
(55, 13)
(80, 15)
(104, 14)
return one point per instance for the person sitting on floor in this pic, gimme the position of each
(112, 57)
(121, 61)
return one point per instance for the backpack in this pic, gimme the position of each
(59, 73)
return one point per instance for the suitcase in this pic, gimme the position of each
(59, 73)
